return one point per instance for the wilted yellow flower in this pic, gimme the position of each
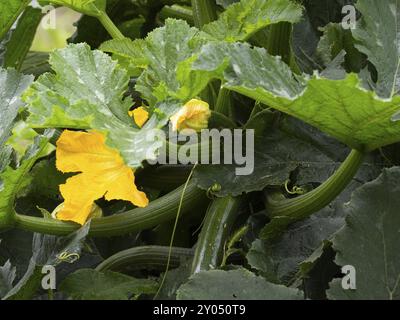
(103, 173)
(193, 115)
(140, 116)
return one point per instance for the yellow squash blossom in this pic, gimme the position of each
(96, 211)
(193, 115)
(103, 173)
(140, 116)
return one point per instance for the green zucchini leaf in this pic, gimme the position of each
(89, 284)
(279, 149)
(238, 284)
(165, 56)
(377, 36)
(340, 108)
(281, 259)
(88, 7)
(13, 181)
(12, 85)
(241, 20)
(47, 251)
(86, 92)
(370, 241)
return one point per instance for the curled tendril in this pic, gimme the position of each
(295, 189)
(68, 257)
(213, 190)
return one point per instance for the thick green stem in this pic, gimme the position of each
(158, 211)
(221, 215)
(204, 11)
(224, 102)
(279, 43)
(279, 40)
(110, 26)
(177, 12)
(305, 205)
(165, 178)
(146, 257)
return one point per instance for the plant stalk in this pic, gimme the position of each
(220, 218)
(146, 257)
(158, 211)
(278, 43)
(177, 12)
(224, 102)
(110, 26)
(303, 206)
(204, 12)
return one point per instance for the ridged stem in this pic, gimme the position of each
(110, 26)
(224, 102)
(157, 212)
(301, 207)
(204, 11)
(279, 40)
(220, 217)
(145, 257)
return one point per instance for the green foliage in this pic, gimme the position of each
(238, 284)
(241, 20)
(9, 12)
(88, 284)
(341, 108)
(12, 84)
(166, 56)
(374, 36)
(88, 94)
(88, 7)
(310, 89)
(369, 241)
(46, 251)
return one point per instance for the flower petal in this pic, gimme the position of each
(103, 173)
(193, 115)
(140, 116)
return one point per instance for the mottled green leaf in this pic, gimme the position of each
(334, 40)
(14, 180)
(241, 20)
(340, 108)
(279, 260)
(370, 241)
(88, 7)
(279, 149)
(165, 56)
(86, 92)
(238, 284)
(377, 35)
(12, 85)
(88, 284)
(47, 251)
